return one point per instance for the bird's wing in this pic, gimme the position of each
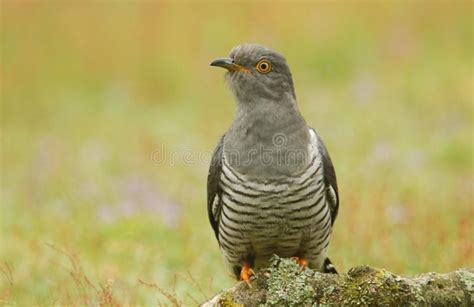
(213, 187)
(330, 181)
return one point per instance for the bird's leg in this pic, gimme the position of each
(245, 273)
(301, 261)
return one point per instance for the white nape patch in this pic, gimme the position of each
(215, 205)
(313, 147)
(332, 194)
(313, 141)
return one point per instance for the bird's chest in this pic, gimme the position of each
(273, 213)
(265, 212)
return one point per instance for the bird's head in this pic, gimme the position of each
(257, 72)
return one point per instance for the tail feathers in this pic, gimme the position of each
(328, 267)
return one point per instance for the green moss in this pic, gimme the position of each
(289, 283)
(227, 300)
(467, 278)
(285, 283)
(369, 286)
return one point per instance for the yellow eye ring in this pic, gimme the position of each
(264, 66)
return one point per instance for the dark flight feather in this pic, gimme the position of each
(213, 187)
(329, 178)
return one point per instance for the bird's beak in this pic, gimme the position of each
(227, 64)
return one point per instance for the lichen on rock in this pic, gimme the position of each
(288, 283)
(285, 283)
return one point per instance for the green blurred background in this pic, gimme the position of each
(110, 111)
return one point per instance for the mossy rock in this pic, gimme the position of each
(284, 283)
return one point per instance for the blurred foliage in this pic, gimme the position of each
(110, 112)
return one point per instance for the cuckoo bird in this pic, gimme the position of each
(271, 185)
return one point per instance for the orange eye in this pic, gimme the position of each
(264, 66)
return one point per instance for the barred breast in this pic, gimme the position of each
(284, 216)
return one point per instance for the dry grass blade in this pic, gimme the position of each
(7, 271)
(165, 293)
(197, 285)
(103, 295)
(75, 271)
(193, 282)
(107, 297)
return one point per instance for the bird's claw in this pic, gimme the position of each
(245, 273)
(301, 261)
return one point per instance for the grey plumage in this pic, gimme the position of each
(271, 185)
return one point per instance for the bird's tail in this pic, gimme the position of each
(328, 267)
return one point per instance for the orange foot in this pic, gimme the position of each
(301, 261)
(245, 274)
